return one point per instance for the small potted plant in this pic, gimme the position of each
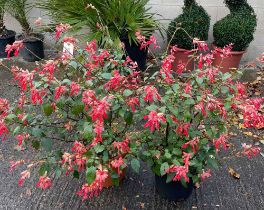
(33, 42)
(76, 115)
(237, 28)
(187, 123)
(109, 22)
(7, 37)
(194, 22)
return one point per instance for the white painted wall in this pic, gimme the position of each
(169, 9)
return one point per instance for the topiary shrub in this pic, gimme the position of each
(238, 27)
(194, 23)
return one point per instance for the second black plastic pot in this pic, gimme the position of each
(34, 48)
(5, 40)
(173, 191)
(137, 55)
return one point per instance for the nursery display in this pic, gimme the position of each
(109, 22)
(82, 114)
(237, 28)
(194, 22)
(33, 42)
(188, 120)
(6, 36)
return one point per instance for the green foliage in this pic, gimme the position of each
(108, 20)
(194, 22)
(19, 9)
(238, 27)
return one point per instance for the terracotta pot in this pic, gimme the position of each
(183, 56)
(109, 182)
(230, 63)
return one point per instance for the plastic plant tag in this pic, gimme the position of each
(68, 48)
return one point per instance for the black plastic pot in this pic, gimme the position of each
(34, 48)
(173, 191)
(137, 55)
(5, 40)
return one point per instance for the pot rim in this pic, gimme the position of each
(232, 52)
(181, 49)
(12, 34)
(28, 39)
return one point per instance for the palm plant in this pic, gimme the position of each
(19, 9)
(108, 20)
(2, 12)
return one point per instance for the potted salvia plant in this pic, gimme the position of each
(237, 29)
(33, 42)
(110, 22)
(7, 37)
(77, 122)
(187, 123)
(194, 22)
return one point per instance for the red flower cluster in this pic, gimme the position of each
(15, 47)
(154, 120)
(61, 28)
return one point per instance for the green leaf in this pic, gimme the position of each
(163, 168)
(224, 89)
(212, 163)
(77, 108)
(106, 76)
(91, 174)
(99, 148)
(45, 167)
(36, 144)
(37, 132)
(46, 144)
(170, 177)
(16, 130)
(175, 87)
(199, 80)
(76, 174)
(127, 92)
(47, 109)
(128, 117)
(135, 164)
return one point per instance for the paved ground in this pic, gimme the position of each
(221, 191)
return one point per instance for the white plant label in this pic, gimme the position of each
(68, 48)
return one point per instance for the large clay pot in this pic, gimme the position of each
(183, 56)
(228, 64)
(9, 38)
(173, 191)
(109, 181)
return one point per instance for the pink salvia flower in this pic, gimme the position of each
(151, 94)
(59, 91)
(117, 163)
(13, 164)
(181, 172)
(154, 120)
(91, 47)
(24, 175)
(16, 46)
(250, 150)
(78, 147)
(183, 129)
(205, 175)
(61, 28)
(193, 143)
(202, 45)
(75, 89)
(122, 147)
(133, 102)
(44, 182)
(49, 69)
(3, 129)
(221, 141)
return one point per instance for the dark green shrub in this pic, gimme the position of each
(238, 27)
(195, 23)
